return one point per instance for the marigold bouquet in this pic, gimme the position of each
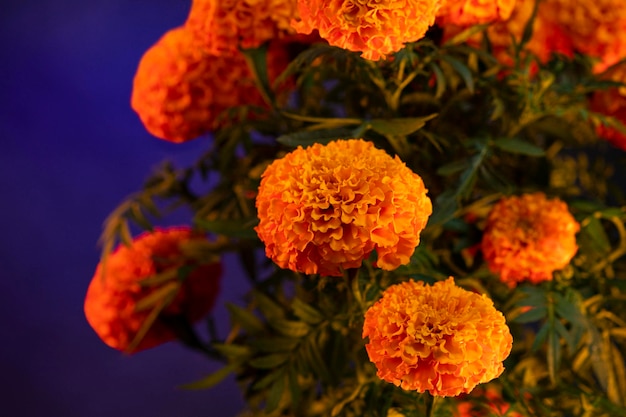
(427, 197)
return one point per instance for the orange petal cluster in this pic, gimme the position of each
(227, 25)
(326, 208)
(612, 102)
(473, 12)
(375, 28)
(440, 338)
(595, 27)
(115, 290)
(528, 237)
(179, 91)
(491, 403)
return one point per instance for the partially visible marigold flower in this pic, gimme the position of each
(529, 237)
(440, 338)
(473, 12)
(375, 28)
(113, 295)
(612, 102)
(326, 208)
(490, 402)
(179, 91)
(227, 25)
(596, 27)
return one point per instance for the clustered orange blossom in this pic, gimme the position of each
(326, 208)
(612, 102)
(528, 237)
(227, 25)
(596, 27)
(440, 338)
(375, 28)
(473, 12)
(180, 92)
(115, 289)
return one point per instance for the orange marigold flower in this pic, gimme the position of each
(326, 208)
(179, 91)
(473, 12)
(440, 338)
(375, 28)
(227, 25)
(529, 237)
(113, 294)
(596, 27)
(612, 102)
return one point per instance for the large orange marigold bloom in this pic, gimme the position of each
(113, 295)
(474, 12)
(529, 237)
(179, 91)
(612, 102)
(375, 28)
(227, 25)
(440, 338)
(595, 27)
(326, 208)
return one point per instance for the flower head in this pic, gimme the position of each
(440, 338)
(612, 102)
(529, 237)
(376, 28)
(473, 12)
(227, 25)
(596, 27)
(326, 208)
(116, 289)
(179, 91)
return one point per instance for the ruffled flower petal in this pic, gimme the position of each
(529, 237)
(440, 338)
(326, 208)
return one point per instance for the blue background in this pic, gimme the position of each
(70, 150)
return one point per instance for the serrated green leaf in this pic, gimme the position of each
(269, 361)
(246, 319)
(400, 126)
(211, 380)
(268, 307)
(518, 146)
(306, 312)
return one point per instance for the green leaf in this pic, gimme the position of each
(541, 336)
(237, 228)
(275, 395)
(211, 380)
(462, 70)
(532, 315)
(269, 361)
(158, 296)
(290, 328)
(257, 62)
(268, 307)
(275, 344)
(400, 126)
(232, 351)
(245, 319)
(440, 80)
(593, 229)
(518, 146)
(269, 378)
(452, 167)
(465, 35)
(306, 312)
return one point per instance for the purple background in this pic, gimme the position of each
(71, 150)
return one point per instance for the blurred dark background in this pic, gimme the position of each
(70, 150)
